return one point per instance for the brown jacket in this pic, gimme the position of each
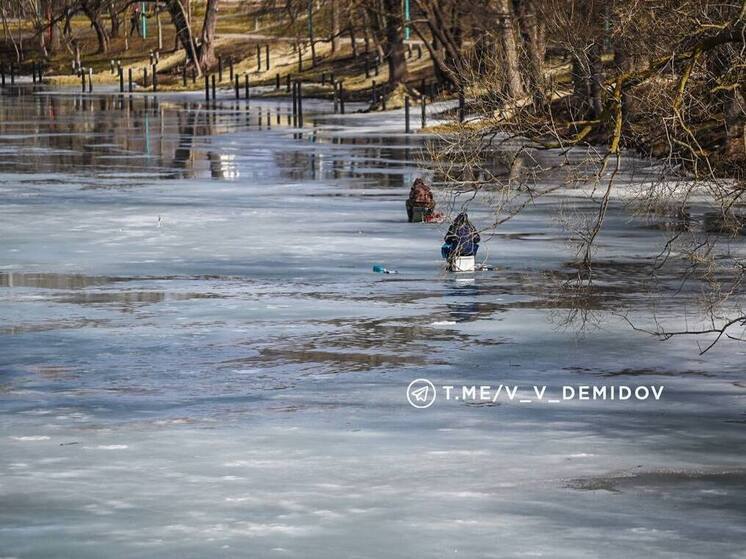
(421, 195)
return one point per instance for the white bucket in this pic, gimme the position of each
(463, 264)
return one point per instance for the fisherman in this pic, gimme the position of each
(462, 239)
(420, 196)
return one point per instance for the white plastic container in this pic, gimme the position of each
(463, 264)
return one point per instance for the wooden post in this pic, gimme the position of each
(246, 85)
(129, 78)
(258, 58)
(287, 83)
(237, 87)
(230, 66)
(300, 60)
(207, 88)
(155, 78)
(300, 104)
(121, 79)
(423, 107)
(214, 90)
(90, 80)
(406, 115)
(335, 97)
(220, 69)
(145, 77)
(341, 98)
(160, 30)
(295, 103)
(277, 82)
(82, 82)
(266, 52)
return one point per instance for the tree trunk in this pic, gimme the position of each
(508, 43)
(103, 39)
(395, 40)
(115, 20)
(597, 68)
(180, 19)
(735, 117)
(533, 34)
(207, 46)
(54, 39)
(335, 24)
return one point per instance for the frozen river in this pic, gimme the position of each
(196, 359)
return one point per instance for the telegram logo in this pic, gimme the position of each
(421, 393)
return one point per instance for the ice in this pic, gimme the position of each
(196, 359)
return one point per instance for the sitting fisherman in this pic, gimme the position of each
(420, 197)
(462, 239)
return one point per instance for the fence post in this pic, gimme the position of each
(258, 58)
(90, 80)
(277, 82)
(424, 114)
(287, 83)
(220, 68)
(341, 98)
(121, 79)
(129, 78)
(266, 52)
(214, 91)
(406, 115)
(82, 82)
(207, 88)
(295, 104)
(230, 68)
(155, 78)
(300, 104)
(237, 85)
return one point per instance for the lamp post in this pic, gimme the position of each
(144, 20)
(407, 30)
